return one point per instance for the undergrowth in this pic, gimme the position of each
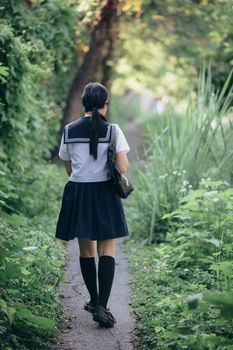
(30, 264)
(182, 289)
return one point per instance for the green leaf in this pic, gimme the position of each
(22, 312)
(215, 242)
(24, 271)
(44, 323)
(218, 298)
(222, 300)
(3, 304)
(225, 266)
(10, 313)
(13, 218)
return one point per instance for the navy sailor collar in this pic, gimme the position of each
(78, 131)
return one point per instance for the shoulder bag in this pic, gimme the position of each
(120, 182)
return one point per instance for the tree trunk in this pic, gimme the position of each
(103, 37)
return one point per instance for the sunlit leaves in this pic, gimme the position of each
(186, 33)
(132, 6)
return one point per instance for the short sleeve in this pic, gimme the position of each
(63, 151)
(121, 142)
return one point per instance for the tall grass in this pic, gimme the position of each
(180, 150)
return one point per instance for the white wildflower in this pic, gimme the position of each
(163, 176)
(30, 249)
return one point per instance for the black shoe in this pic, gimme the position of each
(90, 306)
(104, 317)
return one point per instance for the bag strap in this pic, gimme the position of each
(112, 142)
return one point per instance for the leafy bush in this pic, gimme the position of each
(197, 257)
(159, 301)
(31, 94)
(203, 226)
(30, 265)
(37, 61)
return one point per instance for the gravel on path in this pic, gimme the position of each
(80, 332)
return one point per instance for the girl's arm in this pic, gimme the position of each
(122, 162)
(68, 166)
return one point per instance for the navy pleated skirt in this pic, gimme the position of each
(91, 210)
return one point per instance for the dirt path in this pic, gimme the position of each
(80, 332)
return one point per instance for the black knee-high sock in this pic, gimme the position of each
(88, 270)
(106, 271)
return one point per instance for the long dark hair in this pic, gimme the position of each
(94, 96)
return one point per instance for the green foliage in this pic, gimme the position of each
(179, 151)
(159, 300)
(203, 228)
(197, 257)
(30, 265)
(33, 65)
(32, 94)
(148, 68)
(166, 41)
(3, 73)
(224, 301)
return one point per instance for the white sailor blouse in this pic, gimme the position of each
(74, 146)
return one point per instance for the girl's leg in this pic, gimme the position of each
(106, 247)
(106, 269)
(88, 268)
(87, 247)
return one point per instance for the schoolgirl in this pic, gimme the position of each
(91, 210)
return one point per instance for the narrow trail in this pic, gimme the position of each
(79, 331)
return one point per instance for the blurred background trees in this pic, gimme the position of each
(166, 42)
(53, 48)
